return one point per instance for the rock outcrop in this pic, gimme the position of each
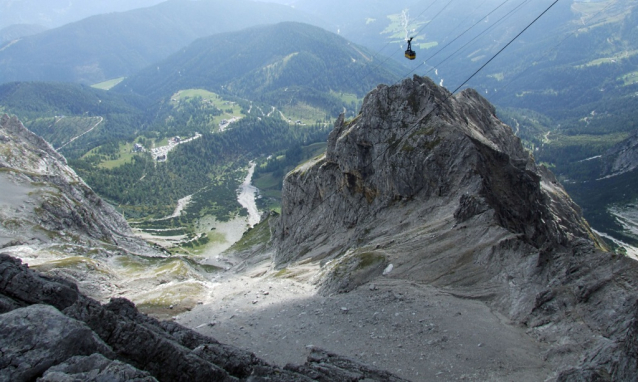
(622, 157)
(52, 220)
(56, 333)
(432, 187)
(61, 207)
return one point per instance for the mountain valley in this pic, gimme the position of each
(296, 193)
(432, 248)
(369, 231)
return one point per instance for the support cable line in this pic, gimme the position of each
(435, 17)
(498, 22)
(400, 47)
(552, 49)
(465, 31)
(506, 45)
(408, 130)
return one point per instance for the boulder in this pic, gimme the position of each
(94, 368)
(36, 337)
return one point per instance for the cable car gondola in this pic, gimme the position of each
(409, 53)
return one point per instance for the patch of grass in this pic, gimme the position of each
(407, 148)
(304, 113)
(77, 262)
(131, 265)
(351, 121)
(284, 273)
(163, 142)
(609, 60)
(172, 232)
(367, 259)
(428, 45)
(179, 294)
(430, 145)
(125, 155)
(192, 93)
(229, 109)
(267, 181)
(629, 78)
(107, 85)
(216, 237)
(174, 268)
(259, 234)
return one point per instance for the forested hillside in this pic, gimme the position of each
(143, 187)
(279, 64)
(59, 112)
(109, 138)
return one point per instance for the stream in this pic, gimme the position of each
(246, 197)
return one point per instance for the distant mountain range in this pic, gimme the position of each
(567, 85)
(54, 13)
(114, 45)
(17, 31)
(286, 60)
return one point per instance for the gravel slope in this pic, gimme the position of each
(416, 331)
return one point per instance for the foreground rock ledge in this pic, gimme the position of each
(50, 330)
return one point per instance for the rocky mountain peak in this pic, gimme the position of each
(30, 153)
(416, 144)
(432, 188)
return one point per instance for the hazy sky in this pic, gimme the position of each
(54, 13)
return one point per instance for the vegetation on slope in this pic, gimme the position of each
(279, 65)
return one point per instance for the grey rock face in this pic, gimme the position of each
(327, 366)
(94, 368)
(83, 341)
(58, 200)
(48, 215)
(415, 142)
(437, 186)
(36, 337)
(621, 158)
(21, 286)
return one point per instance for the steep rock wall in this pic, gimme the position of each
(416, 143)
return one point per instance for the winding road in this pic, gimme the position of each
(88, 131)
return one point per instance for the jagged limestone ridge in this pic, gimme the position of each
(438, 186)
(416, 142)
